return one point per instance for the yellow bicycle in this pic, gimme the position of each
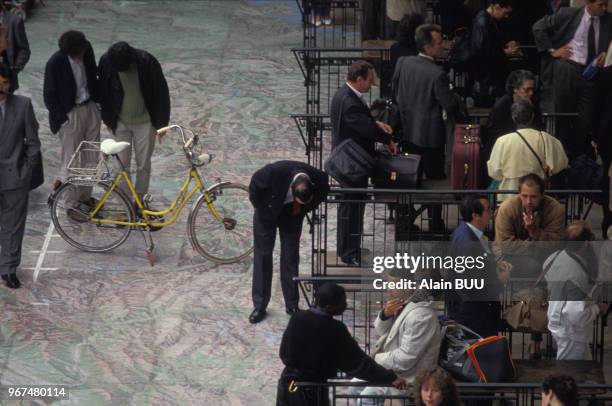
(219, 224)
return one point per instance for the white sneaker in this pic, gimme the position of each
(327, 21)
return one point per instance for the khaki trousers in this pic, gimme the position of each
(142, 140)
(83, 125)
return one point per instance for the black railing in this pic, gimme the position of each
(331, 23)
(344, 392)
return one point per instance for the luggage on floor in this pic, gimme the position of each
(465, 161)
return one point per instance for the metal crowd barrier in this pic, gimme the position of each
(412, 225)
(345, 28)
(315, 130)
(364, 302)
(342, 392)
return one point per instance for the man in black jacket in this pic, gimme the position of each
(17, 52)
(315, 346)
(569, 40)
(351, 118)
(282, 193)
(135, 103)
(491, 52)
(70, 91)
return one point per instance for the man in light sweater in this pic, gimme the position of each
(135, 103)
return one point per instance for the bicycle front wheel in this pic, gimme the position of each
(71, 216)
(223, 231)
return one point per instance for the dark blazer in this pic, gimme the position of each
(19, 143)
(351, 118)
(18, 52)
(421, 89)
(465, 243)
(555, 30)
(59, 87)
(270, 184)
(152, 83)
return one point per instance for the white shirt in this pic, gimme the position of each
(358, 93)
(480, 236)
(579, 44)
(3, 110)
(80, 78)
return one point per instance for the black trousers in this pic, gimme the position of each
(13, 213)
(350, 223)
(482, 317)
(572, 93)
(264, 235)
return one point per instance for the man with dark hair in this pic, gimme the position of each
(315, 346)
(351, 119)
(570, 310)
(135, 103)
(527, 229)
(491, 52)
(17, 51)
(477, 309)
(70, 91)
(19, 154)
(569, 40)
(560, 390)
(282, 193)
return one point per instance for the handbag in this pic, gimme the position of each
(529, 313)
(396, 171)
(584, 172)
(349, 164)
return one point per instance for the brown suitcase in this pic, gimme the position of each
(465, 163)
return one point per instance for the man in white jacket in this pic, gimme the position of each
(409, 332)
(570, 312)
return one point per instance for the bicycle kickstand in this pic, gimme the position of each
(146, 234)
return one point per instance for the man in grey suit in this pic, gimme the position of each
(422, 90)
(569, 40)
(17, 53)
(19, 148)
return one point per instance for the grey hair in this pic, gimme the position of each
(522, 113)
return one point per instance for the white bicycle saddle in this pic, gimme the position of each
(112, 147)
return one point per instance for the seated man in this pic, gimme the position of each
(409, 332)
(527, 229)
(477, 309)
(570, 312)
(315, 346)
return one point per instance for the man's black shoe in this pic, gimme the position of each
(11, 280)
(292, 310)
(352, 261)
(256, 316)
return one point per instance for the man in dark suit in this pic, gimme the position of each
(351, 118)
(70, 91)
(479, 310)
(569, 40)
(19, 149)
(282, 193)
(17, 52)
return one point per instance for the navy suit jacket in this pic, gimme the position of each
(270, 184)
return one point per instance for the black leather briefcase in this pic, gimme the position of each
(396, 171)
(349, 164)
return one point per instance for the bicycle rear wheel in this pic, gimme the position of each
(226, 239)
(72, 222)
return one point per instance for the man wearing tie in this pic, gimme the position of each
(282, 193)
(569, 40)
(19, 154)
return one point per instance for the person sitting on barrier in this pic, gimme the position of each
(409, 331)
(477, 309)
(528, 228)
(559, 390)
(524, 150)
(520, 85)
(570, 311)
(435, 387)
(315, 346)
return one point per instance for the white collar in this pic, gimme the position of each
(476, 231)
(425, 56)
(357, 92)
